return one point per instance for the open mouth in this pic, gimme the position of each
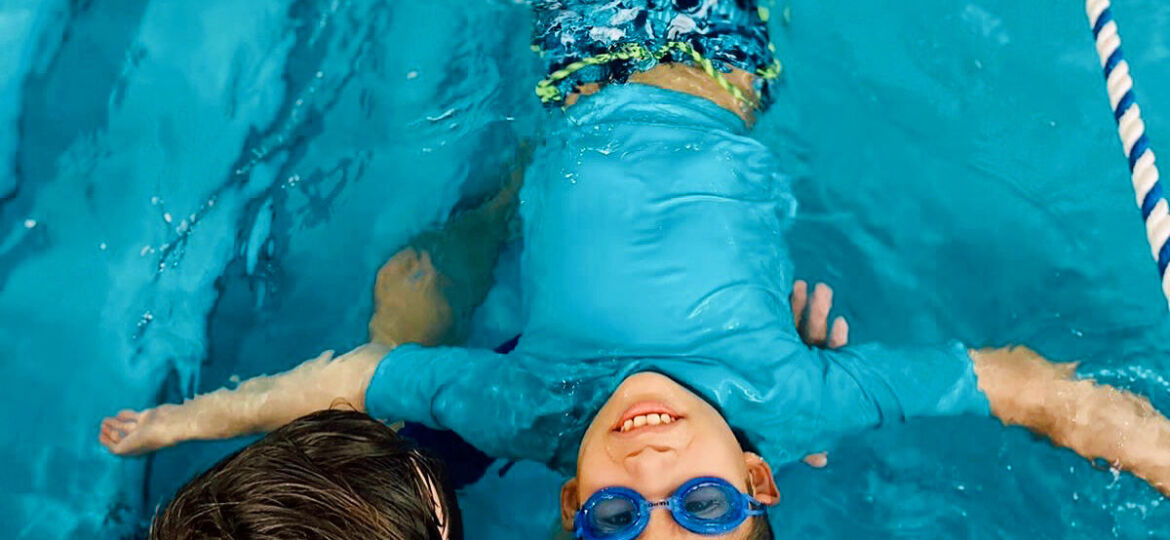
(645, 415)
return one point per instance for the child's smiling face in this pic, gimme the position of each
(652, 436)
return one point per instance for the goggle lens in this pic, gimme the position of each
(710, 502)
(613, 515)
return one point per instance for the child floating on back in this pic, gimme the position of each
(659, 361)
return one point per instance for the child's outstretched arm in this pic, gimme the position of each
(411, 306)
(870, 385)
(259, 404)
(418, 313)
(1095, 421)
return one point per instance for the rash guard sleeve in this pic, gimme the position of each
(512, 406)
(875, 384)
(815, 396)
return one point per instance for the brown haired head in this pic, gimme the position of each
(328, 475)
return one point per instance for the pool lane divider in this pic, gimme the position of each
(1132, 131)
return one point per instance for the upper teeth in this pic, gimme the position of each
(652, 419)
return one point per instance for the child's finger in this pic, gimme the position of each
(818, 460)
(818, 314)
(111, 432)
(127, 415)
(113, 423)
(111, 436)
(105, 440)
(839, 335)
(798, 299)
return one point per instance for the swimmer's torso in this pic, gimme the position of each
(653, 227)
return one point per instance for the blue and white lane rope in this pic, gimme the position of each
(1150, 197)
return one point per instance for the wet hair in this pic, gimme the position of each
(760, 529)
(328, 475)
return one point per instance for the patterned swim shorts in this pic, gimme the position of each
(606, 41)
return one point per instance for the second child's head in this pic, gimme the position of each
(653, 441)
(329, 475)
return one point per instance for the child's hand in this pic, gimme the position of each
(409, 304)
(131, 433)
(816, 332)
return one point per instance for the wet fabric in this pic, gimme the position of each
(654, 241)
(729, 33)
(465, 463)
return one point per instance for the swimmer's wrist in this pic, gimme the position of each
(374, 352)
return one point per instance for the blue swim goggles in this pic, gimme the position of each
(705, 505)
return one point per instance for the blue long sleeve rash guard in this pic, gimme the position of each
(654, 241)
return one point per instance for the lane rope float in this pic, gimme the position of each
(1132, 132)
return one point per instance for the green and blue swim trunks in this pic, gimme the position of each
(607, 41)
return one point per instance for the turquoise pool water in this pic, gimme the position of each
(195, 190)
